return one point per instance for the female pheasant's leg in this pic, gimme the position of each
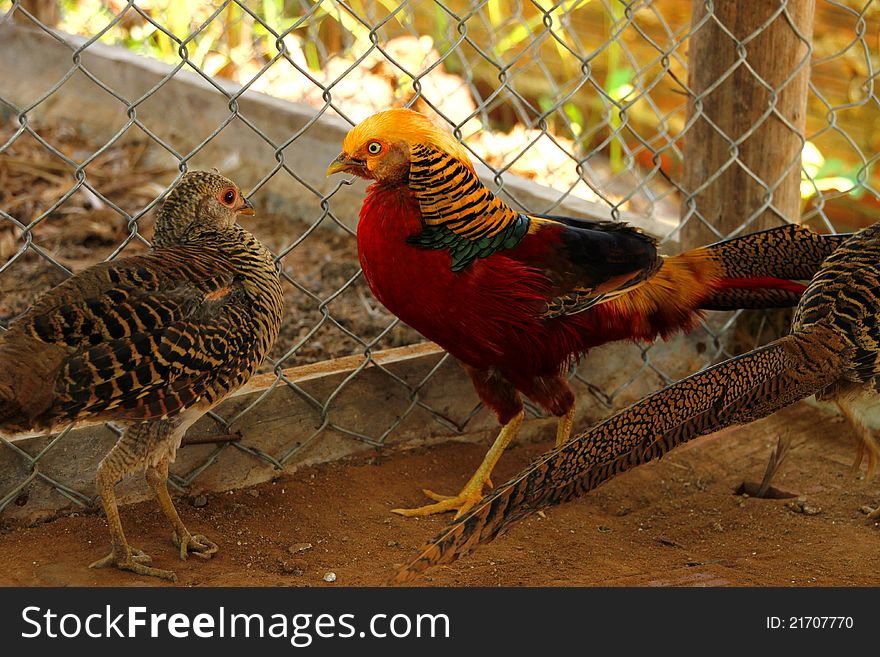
(114, 466)
(199, 545)
(867, 441)
(473, 490)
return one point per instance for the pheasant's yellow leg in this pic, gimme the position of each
(563, 429)
(188, 543)
(473, 490)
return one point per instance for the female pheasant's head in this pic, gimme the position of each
(380, 147)
(201, 202)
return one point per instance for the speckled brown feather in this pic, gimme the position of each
(834, 344)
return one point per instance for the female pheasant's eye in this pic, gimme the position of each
(374, 147)
(229, 197)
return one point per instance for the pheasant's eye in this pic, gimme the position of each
(229, 197)
(374, 147)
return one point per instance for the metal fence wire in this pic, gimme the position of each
(593, 100)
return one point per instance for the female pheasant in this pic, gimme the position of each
(517, 297)
(152, 341)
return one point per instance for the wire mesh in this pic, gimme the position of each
(588, 99)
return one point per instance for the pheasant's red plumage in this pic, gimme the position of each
(516, 298)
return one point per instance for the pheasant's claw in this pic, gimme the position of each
(195, 544)
(437, 497)
(460, 503)
(133, 562)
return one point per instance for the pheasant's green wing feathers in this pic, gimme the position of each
(465, 250)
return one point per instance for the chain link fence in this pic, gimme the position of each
(606, 106)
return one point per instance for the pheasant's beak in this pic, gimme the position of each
(246, 207)
(344, 162)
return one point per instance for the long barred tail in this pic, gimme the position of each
(762, 270)
(736, 391)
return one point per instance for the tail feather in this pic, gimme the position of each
(788, 252)
(736, 391)
(761, 270)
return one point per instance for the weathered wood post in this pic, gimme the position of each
(748, 72)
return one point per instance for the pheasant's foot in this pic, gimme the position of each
(133, 562)
(460, 503)
(195, 544)
(473, 490)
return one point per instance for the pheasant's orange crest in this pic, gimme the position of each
(404, 125)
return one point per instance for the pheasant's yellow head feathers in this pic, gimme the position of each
(379, 146)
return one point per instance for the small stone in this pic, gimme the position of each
(299, 547)
(809, 510)
(253, 492)
(392, 544)
(604, 529)
(199, 501)
(292, 568)
(330, 577)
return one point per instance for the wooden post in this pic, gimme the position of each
(771, 151)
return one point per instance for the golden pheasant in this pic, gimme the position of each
(833, 351)
(517, 297)
(151, 341)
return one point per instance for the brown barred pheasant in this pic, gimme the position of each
(833, 351)
(152, 341)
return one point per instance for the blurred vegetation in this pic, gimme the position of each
(601, 79)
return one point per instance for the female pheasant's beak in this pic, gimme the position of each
(246, 207)
(344, 162)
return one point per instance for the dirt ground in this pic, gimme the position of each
(676, 522)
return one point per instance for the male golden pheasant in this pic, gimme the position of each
(151, 341)
(517, 297)
(833, 351)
